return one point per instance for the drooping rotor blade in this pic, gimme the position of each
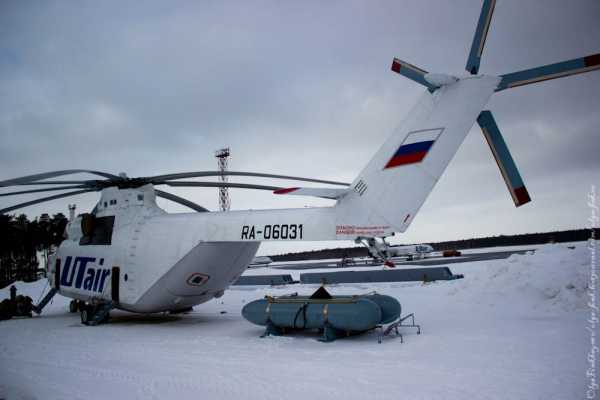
(324, 193)
(87, 183)
(180, 200)
(197, 174)
(52, 174)
(505, 162)
(411, 72)
(44, 190)
(44, 199)
(483, 26)
(221, 184)
(550, 71)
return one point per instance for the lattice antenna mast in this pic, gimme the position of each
(222, 156)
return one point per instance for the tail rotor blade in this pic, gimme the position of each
(550, 71)
(505, 162)
(411, 72)
(483, 26)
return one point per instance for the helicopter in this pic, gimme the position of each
(128, 253)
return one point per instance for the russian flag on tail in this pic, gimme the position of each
(414, 148)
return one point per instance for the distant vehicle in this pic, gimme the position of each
(346, 261)
(260, 261)
(451, 253)
(380, 249)
(412, 251)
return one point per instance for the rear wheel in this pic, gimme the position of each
(86, 315)
(73, 306)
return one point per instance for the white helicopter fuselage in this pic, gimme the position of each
(145, 260)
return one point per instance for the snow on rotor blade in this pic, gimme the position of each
(550, 71)
(481, 32)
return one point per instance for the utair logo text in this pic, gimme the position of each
(82, 274)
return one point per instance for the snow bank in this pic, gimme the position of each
(492, 339)
(553, 278)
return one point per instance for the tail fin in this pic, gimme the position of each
(390, 190)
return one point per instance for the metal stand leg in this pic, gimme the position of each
(272, 330)
(394, 327)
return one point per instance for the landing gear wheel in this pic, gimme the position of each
(73, 306)
(85, 316)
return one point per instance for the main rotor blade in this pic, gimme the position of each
(37, 177)
(88, 183)
(505, 162)
(180, 200)
(44, 199)
(483, 26)
(221, 184)
(550, 71)
(44, 190)
(197, 174)
(411, 72)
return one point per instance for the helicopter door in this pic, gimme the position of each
(114, 284)
(57, 274)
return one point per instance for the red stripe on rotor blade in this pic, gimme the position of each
(284, 191)
(591, 60)
(522, 196)
(396, 66)
(406, 159)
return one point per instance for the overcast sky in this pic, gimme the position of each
(298, 88)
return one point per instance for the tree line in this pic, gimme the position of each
(20, 242)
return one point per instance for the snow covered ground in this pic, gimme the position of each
(512, 329)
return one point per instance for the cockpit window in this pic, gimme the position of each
(100, 231)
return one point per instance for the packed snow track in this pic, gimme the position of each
(514, 328)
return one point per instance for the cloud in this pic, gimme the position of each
(294, 88)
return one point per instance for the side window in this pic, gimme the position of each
(97, 231)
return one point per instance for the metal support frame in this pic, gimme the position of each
(395, 325)
(39, 307)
